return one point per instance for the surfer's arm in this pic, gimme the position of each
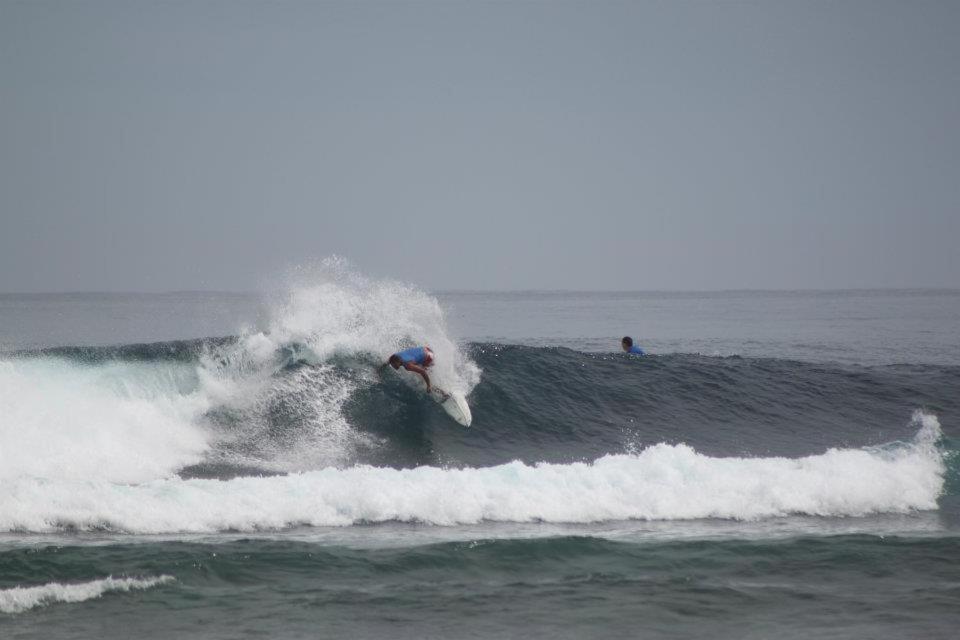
(380, 369)
(418, 369)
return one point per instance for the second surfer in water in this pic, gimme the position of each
(415, 359)
(627, 345)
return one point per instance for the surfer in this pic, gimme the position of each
(415, 359)
(628, 346)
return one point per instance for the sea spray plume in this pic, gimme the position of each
(662, 482)
(275, 414)
(333, 309)
(290, 421)
(220, 406)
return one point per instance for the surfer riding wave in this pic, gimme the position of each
(415, 359)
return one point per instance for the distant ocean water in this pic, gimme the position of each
(211, 465)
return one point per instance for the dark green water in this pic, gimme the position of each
(563, 587)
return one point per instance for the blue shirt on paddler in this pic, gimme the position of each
(413, 355)
(637, 350)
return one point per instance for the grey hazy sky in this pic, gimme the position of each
(594, 145)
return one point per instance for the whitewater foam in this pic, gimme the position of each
(662, 482)
(320, 315)
(121, 422)
(239, 402)
(315, 432)
(20, 599)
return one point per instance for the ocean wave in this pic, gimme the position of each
(20, 599)
(226, 413)
(274, 399)
(662, 482)
(290, 425)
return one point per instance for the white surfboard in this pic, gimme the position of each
(454, 404)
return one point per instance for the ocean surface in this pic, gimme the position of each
(216, 465)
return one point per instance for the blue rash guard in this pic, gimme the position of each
(413, 355)
(637, 350)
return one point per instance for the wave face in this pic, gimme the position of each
(290, 426)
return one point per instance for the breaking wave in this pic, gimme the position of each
(662, 482)
(20, 599)
(288, 424)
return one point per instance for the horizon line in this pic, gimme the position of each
(941, 289)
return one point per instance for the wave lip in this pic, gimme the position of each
(663, 482)
(20, 599)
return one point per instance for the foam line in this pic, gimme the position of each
(20, 599)
(663, 482)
